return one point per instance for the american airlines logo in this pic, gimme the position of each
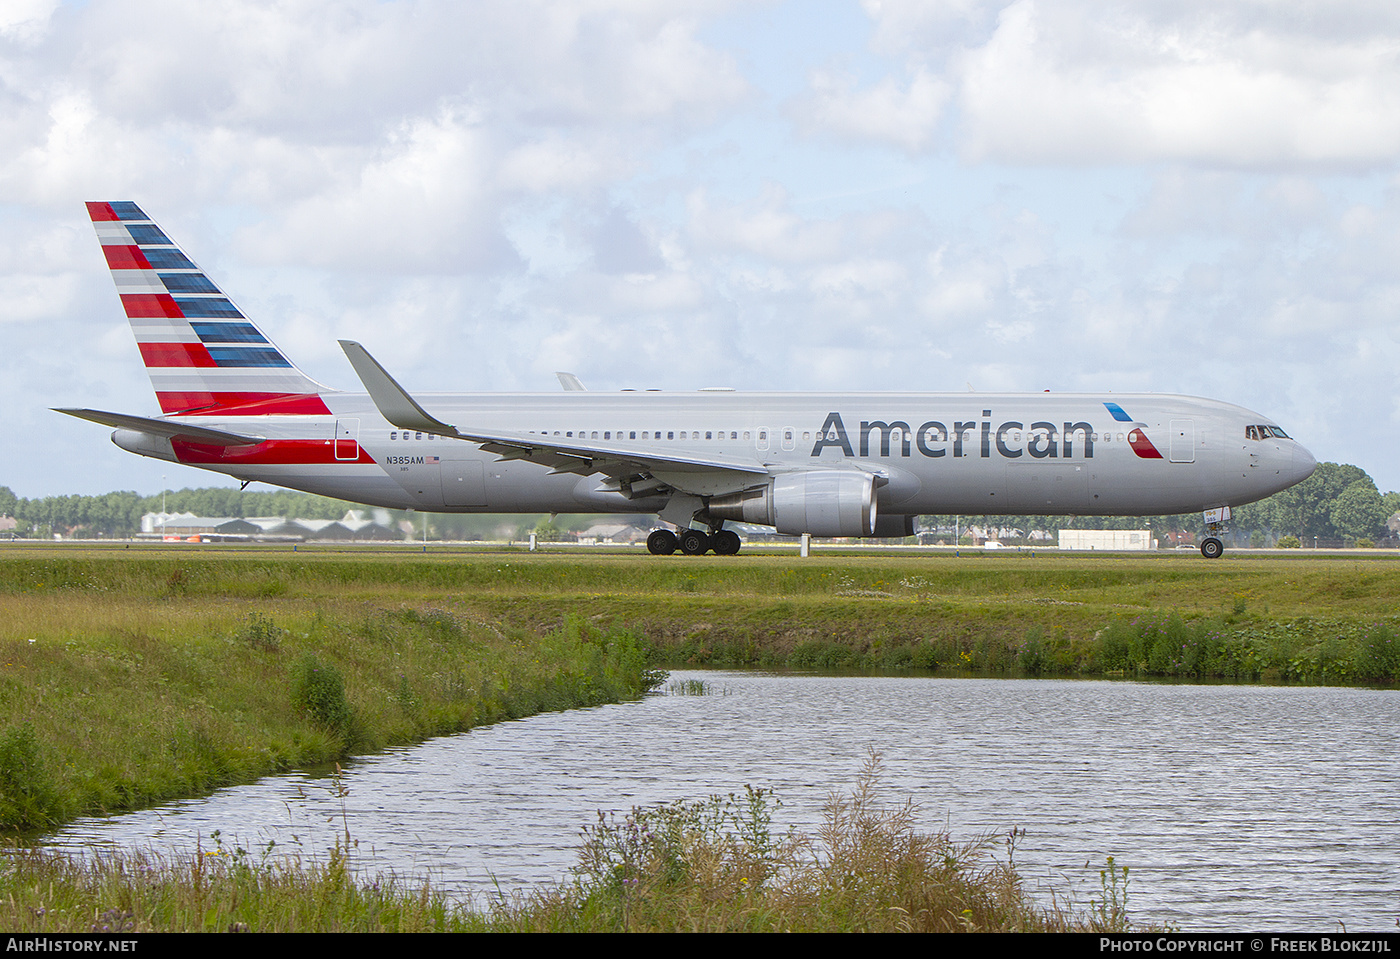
(1142, 446)
(961, 438)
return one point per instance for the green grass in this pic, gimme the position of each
(127, 680)
(128, 677)
(132, 676)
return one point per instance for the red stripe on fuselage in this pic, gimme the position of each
(138, 305)
(125, 258)
(271, 453)
(165, 355)
(101, 212)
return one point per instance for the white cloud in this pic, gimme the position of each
(1245, 83)
(496, 190)
(1081, 83)
(906, 115)
(26, 21)
(421, 203)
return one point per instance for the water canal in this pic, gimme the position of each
(1235, 807)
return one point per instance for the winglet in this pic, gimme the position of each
(393, 400)
(571, 383)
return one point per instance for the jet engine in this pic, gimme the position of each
(820, 502)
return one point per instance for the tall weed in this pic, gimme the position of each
(28, 799)
(318, 692)
(719, 865)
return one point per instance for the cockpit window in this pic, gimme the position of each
(1261, 431)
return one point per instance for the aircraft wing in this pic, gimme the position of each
(169, 428)
(563, 454)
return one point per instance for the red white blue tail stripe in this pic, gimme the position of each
(203, 355)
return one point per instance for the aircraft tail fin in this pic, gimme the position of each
(202, 354)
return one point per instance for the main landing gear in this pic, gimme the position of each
(693, 542)
(1211, 548)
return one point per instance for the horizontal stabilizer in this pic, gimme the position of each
(394, 403)
(171, 428)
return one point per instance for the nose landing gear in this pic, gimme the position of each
(1217, 521)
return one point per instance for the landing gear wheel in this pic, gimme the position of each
(1211, 548)
(693, 542)
(725, 543)
(661, 542)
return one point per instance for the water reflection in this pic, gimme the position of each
(1235, 806)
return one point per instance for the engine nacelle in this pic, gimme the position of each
(820, 502)
(894, 526)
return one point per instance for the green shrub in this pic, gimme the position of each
(27, 796)
(261, 633)
(1288, 542)
(1378, 658)
(318, 691)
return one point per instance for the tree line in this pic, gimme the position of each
(119, 514)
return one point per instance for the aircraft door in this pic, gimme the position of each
(463, 483)
(1183, 441)
(347, 439)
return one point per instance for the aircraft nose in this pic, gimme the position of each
(1303, 464)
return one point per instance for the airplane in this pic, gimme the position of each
(824, 464)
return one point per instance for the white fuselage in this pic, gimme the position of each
(935, 453)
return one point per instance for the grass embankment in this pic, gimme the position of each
(690, 866)
(128, 679)
(1245, 617)
(132, 676)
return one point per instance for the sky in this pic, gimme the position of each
(1182, 196)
